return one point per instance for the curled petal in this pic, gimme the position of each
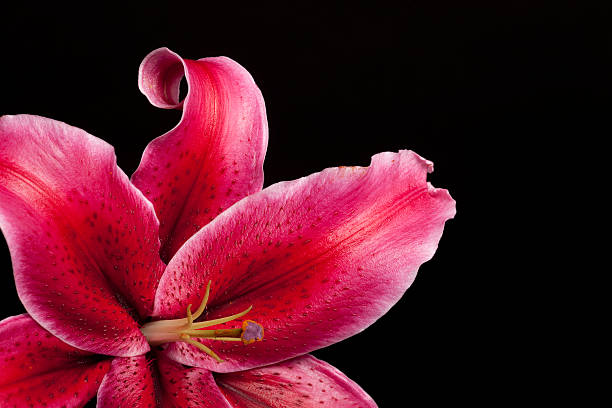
(83, 240)
(302, 382)
(40, 370)
(128, 383)
(214, 156)
(320, 258)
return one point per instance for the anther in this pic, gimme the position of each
(251, 332)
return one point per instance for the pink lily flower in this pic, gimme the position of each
(108, 268)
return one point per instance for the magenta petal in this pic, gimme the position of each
(188, 387)
(129, 383)
(26, 350)
(320, 258)
(78, 232)
(302, 382)
(214, 156)
(40, 370)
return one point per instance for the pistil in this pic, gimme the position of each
(167, 331)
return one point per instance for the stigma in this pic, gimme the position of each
(185, 330)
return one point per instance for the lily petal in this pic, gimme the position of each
(131, 383)
(40, 370)
(83, 240)
(320, 258)
(189, 387)
(302, 382)
(128, 383)
(214, 156)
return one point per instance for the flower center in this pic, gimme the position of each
(185, 330)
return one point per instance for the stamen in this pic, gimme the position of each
(221, 320)
(200, 310)
(166, 331)
(189, 317)
(204, 302)
(202, 347)
(213, 334)
(226, 339)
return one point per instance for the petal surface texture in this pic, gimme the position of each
(129, 383)
(39, 370)
(214, 156)
(189, 387)
(83, 239)
(302, 382)
(320, 258)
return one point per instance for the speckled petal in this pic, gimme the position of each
(137, 383)
(188, 387)
(214, 156)
(83, 239)
(129, 383)
(40, 370)
(320, 259)
(303, 382)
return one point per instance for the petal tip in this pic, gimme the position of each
(159, 78)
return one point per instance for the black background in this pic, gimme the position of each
(490, 93)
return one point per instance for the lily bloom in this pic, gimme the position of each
(189, 285)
